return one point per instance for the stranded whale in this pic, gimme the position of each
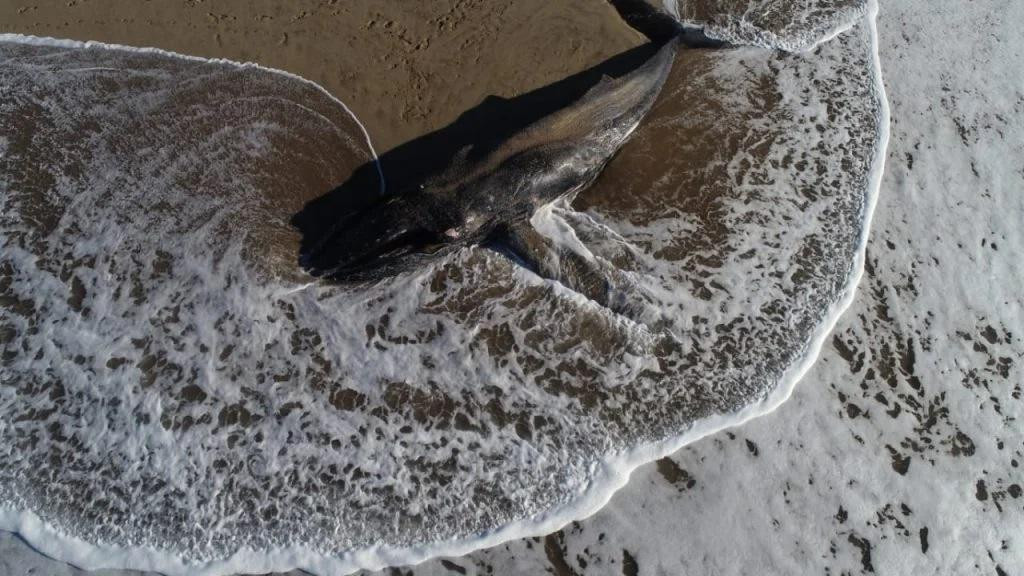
(490, 200)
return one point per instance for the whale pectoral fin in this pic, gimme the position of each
(524, 245)
(584, 276)
(546, 259)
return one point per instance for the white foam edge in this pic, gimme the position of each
(828, 35)
(67, 43)
(610, 475)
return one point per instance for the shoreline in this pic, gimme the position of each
(403, 70)
(842, 478)
(613, 475)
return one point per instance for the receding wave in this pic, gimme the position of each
(793, 25)
(173, 383)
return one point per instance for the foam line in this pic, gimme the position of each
(67, 43)
(766, 39)
(610, 475)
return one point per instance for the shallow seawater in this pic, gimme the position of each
(172, 381)
(794, 25)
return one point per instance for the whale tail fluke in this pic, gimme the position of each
(648, 19)
(659, 26)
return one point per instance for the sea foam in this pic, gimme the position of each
(177, 396)
(791, 25)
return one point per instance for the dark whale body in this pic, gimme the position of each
(489, 200)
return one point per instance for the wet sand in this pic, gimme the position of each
(816, 495)
(404, 68)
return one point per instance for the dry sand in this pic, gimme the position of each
(404, 67)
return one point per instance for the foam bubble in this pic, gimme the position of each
(177, 395)
(792, 25)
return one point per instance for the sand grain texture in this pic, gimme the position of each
(838, 480)
(404, 68)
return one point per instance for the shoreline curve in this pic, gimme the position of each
(610, 474)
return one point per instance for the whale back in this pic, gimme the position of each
(604, 116)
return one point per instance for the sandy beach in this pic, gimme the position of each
(404, 69)
(898, 453)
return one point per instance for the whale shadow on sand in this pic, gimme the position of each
(477, 131)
